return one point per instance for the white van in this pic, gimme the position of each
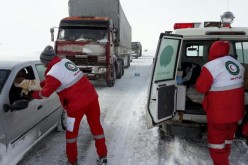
(173, 103)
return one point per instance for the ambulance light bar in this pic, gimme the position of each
(186, 25)
(227, 17)
(226, 20)
(212, 24)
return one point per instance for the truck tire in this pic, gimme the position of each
(128, 61)
(140, 53)
(120, 69)
(111, 83)
(123, 70)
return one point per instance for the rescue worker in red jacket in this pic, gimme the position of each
(77, 96)
(221, 80)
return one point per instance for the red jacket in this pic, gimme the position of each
(73, 97)
(221, 80)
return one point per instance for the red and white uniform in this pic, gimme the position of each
(78, 97)
(221, 80)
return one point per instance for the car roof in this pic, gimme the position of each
(9, 65)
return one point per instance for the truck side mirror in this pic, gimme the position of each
(52, 34)
(114, 33)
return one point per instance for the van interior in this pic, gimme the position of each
(193, 56)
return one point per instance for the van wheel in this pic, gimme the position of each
(163, 135)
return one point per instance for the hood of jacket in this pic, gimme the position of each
(218, 49)
(55, 60)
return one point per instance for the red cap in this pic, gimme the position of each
(218, 49)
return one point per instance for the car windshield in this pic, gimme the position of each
(82, 34)
(3, 77)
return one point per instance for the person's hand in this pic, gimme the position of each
(35, 95)
(42, 83)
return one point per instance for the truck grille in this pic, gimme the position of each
(83, 60)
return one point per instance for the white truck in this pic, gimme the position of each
(173, 103)
(97, 38)
(137, 49)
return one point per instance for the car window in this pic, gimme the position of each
(16, 92)
(3, 77)
(41, 71)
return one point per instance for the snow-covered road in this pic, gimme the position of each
(128, 140)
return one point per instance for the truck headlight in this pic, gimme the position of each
(102, 70)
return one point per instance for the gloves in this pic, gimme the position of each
(42, 83)
(35, 95)
(188, 74)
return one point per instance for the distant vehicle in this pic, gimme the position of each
(24, 121)
(173, 103)
(137, 49)
(97, 38)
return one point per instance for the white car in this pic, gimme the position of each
(24, 121)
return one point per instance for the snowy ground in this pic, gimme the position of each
(129, 141)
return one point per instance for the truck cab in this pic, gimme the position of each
(137, 49)
(89, 42)
(173, 102)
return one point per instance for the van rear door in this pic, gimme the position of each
(162, 91)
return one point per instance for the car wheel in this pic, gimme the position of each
(62, 125)
(63, 119)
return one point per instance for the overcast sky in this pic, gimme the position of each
(25, 24)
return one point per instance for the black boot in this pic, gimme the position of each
(102, 161)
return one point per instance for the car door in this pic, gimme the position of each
(20, 125)
(162, 91)
(51, 106)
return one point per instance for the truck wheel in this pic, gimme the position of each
(111, 83)
(120, 69)
(128, 61)
(123, 70)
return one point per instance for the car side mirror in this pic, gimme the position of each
(16, 106)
